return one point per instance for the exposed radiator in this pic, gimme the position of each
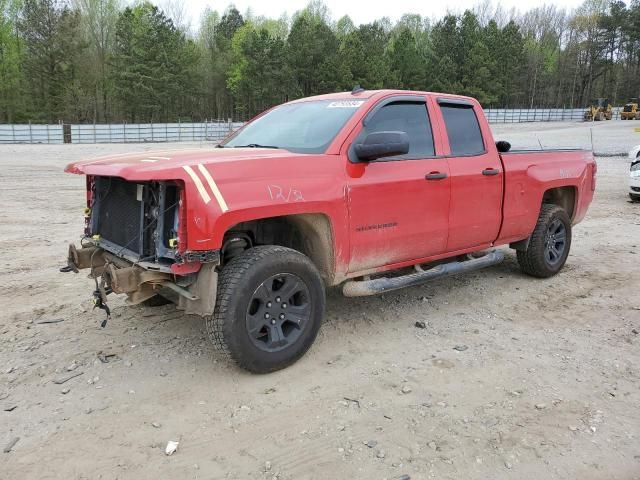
(119, 213)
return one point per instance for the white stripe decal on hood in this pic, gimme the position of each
(196, 179)
(214, 188)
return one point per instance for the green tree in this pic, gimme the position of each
(344, 26)
(98, 22)
(155, 75)
(219, 57)
(11, 79)
(406, 61)
(258, 77)
(477, 80)
(364, 52)
(506, 47)
(230, 23)
(630, 50)
(93, 60)
(312, 56)
(50, 33)
(543, 29)
(446, 57)
(211, 67)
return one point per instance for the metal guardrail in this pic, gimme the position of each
(117, 133)
(217, 130)
(15, 133)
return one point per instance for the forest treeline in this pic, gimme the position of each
(104, 61)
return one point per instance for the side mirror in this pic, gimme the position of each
(502, 146)
(382, 144)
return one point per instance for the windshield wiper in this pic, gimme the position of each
(255, 145)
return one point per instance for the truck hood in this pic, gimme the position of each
(163, 164)
(222, 183)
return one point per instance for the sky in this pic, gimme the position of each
(363, 11)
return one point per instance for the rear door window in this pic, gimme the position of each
(463, 130)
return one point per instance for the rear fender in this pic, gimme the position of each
(530, 175)
(549, 184)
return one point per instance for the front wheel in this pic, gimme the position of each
(269, 308)
(549, 244)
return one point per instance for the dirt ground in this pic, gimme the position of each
(512, 377)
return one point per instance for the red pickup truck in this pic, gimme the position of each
(371, 190)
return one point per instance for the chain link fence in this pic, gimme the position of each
(214, 131)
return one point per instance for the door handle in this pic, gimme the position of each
(436, 176)
(490, 171)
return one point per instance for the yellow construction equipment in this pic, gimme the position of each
(630, 111)
(600, 109)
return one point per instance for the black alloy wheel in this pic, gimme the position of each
(278, 312)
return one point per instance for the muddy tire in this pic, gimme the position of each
(269, 308)
(549, 244)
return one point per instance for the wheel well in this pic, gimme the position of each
(308, 233)
(564, 197)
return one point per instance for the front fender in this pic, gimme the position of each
(258, 199)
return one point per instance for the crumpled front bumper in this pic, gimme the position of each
(194, 293)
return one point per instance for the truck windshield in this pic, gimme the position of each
(305, 127)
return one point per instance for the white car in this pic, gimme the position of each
(634, 174)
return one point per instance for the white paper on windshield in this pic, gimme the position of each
(346, 104)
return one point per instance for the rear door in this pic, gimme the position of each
(398, 206)
(476, 173)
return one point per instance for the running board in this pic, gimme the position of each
(363, 288)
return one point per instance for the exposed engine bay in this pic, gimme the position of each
(137, 221)
(131, 243)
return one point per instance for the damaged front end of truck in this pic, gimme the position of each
(132, 245)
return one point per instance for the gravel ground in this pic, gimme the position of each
(512, 377)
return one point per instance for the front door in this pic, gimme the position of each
(398, 206)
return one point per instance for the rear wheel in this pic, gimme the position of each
(549, 244)
(269, 308)
(634, 198)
